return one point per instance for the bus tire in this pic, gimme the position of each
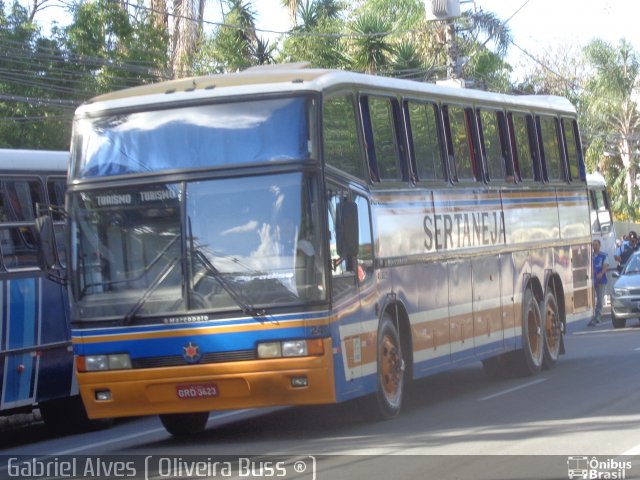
(390, 377)
(552, 330)
(528, 360)
(184, 424)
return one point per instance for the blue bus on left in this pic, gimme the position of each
(36, 357)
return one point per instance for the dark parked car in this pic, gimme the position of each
(626, 293)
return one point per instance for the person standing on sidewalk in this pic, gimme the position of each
(600, 267)
(627, 250)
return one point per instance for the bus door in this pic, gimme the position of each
(352, 278)
(20, 305)
(487, 305)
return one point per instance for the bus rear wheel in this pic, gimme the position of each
(184, 424)
(529, 359)
(552, 330)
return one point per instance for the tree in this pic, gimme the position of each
(370, 45)
(475, 31)
(610, 94)
(234, 45)
(561, 70)
(316, 36)
(37, 99)
(114, 50)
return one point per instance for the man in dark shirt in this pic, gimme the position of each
(628, 250)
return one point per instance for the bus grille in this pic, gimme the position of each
(178, 360)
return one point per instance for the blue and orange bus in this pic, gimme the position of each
(291, 236)
(35, 340)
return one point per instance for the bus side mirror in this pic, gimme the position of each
(46, 241)
(348, 240)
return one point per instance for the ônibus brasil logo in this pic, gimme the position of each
(595, 468)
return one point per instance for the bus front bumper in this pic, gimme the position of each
(206, 387)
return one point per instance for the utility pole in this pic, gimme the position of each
(447, 10)
(453, 70)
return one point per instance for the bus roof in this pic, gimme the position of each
(297, 77)
(34, 160)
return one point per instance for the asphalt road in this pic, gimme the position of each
(458, 424)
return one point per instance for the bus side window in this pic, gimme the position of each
(56, 188)
(19, 203)
(494, 144)
(552, 159)
(601, 221)
(335, 195)
(365, 249)
(523, 146)
(382, 138)
(460, 142)
(572, 147)
(340, 131)
(425, 140)
(343, 279)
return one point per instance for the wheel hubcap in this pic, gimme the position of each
(392, 367)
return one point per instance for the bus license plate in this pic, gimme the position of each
(200, 390)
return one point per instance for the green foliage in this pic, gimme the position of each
(124, 49)
(234, 45)
(370, 45)
(316, 38)
(611, 113)
(35, 105)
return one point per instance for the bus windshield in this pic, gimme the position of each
(236, 244)
(193, 137)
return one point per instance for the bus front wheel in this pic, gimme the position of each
(184, 424)
(387, 401)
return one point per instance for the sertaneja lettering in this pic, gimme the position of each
(463, 230)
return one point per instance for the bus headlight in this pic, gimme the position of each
(291, 348)
(294, 348)
(97, 363)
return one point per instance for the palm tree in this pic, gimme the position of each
(471, 33)
(310, 13)
(407, 62)
(186, 32)
(612, 108)
(292, 6)
(371, 48)
(263, 52)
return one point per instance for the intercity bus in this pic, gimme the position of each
(292, 236)
(35, 341)
(602, 226)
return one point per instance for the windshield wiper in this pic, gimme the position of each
(128, 318)
(146, 269)
(258, 313)
(247, 309)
